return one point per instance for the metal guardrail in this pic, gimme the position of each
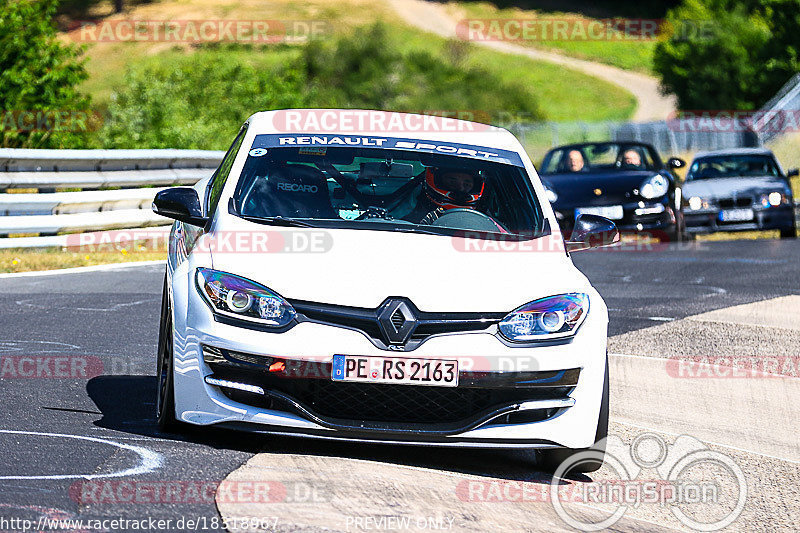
(780, 112)
(96, 179)
(60, 203)
(51, 213)
(73, 222)
(20, 159)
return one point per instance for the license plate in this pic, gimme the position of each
(398, 370)
(614, 212)
(736, 215)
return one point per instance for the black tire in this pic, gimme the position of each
(165, 396)
(788, 233)
(591, 459)
(676, 234)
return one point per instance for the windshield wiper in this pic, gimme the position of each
(278, 221)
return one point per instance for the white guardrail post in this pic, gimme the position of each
(115, 189)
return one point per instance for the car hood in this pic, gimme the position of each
(578, 188)
(729, 187)
(363, 267)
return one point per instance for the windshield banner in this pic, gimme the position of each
(313, 143)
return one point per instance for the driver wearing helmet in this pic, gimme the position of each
(446, 188)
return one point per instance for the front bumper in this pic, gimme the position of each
(639, 216)
(708, 220)
(567, 414)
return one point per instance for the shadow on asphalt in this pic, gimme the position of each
(127, 405)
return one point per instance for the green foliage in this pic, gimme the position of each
(370, 71)
(202, 99)
(725, 54)
(37, 74)
(198, 102)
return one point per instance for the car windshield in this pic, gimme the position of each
(733, 166)
(600, 157)
(385, 189)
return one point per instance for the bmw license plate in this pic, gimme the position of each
(398, 370)
(736, 215)
(614, 212)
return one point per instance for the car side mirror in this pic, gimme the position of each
(592, 231)
(676, 162)
(793, 172)
(180, 203)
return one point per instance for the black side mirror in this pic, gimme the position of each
(793, 172)
(180, 203)
(592, 231)
(676, 162)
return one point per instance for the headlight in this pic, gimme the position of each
(551, 194)
(695, 203)
(654, 187)
(241, 298)
(773, 199)
(548, 318)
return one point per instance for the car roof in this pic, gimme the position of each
(734, 151)
(437, 128)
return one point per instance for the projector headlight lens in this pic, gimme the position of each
(654, 187)
(548, 318)
(235, 296)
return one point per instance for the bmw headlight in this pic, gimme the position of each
(654, 187)
(241, 298)
(547, 318)
(773, 199)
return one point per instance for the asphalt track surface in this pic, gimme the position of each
(66, 423)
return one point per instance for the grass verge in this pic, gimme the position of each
(627, 53)
(28, 260)
(562, 94)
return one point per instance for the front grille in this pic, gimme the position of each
(308, 384)
(743, 201)
(373, 402)
(366, 320)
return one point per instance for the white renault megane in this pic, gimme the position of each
(382, 287)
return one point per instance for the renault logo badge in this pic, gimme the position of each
(396, 321)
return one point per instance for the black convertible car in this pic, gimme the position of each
(741, 189)
(624, 181)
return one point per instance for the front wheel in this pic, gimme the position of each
(582, 460)
(165, 400)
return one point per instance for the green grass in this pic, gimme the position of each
(28, 260)
(563, 95)
(623, 53)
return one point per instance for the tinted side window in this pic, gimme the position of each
(221, 175)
